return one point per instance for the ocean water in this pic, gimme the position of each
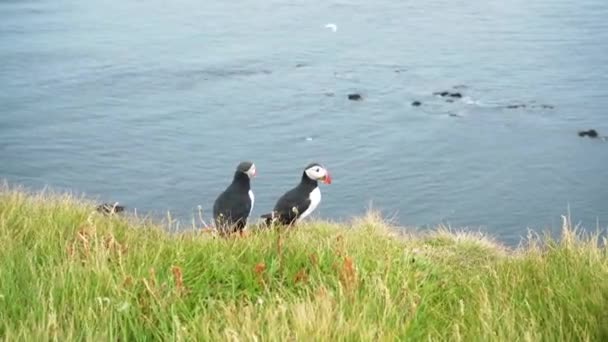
(154, 103)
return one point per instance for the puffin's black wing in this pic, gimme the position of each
(234, 208)
(295, 198)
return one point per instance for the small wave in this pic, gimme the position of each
(470, 101)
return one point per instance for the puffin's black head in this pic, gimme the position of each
(317, 172)
(247, 168)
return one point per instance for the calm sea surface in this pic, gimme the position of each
(154, 103)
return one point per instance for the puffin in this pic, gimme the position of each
(232, 207)
(110, 208)
(299, 202)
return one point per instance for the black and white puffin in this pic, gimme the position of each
(299, 202)
(108, 209)
(233, 206)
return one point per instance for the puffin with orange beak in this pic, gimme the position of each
(299, 202)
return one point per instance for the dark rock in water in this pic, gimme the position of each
(449, 100)
(454, 115)
(447, 93)
(531, 106)
(590, 133)
(416, 103)
(442, 93)
(107, 208)
(355, 97)
(299, 65)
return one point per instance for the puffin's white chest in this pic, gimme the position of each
(252, 198)
(315, 199)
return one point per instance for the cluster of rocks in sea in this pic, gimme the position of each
(456, 95)
(451, 96)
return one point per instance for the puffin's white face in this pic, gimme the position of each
(318, 173)
(252, 171)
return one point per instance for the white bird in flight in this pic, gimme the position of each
(333, 27)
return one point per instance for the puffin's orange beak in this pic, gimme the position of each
(327, 178)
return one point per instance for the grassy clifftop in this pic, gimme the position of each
(67, 273)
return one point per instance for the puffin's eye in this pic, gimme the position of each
(317, 170)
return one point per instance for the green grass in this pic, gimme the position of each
(69, 273)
